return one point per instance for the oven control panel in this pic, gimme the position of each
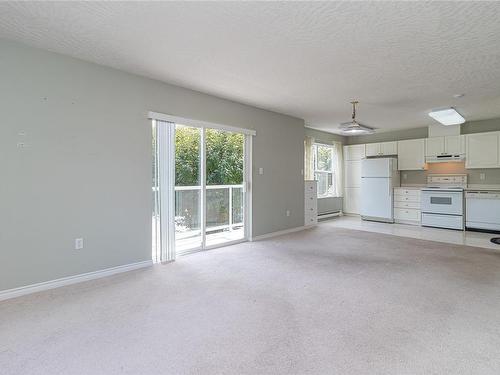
(458, 180)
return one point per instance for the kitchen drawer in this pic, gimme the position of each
(310, 219)
(407, 192)
(443, 221)
(311, 209)
(310, 199)
(311, 187)
(406, 214)
(406, 204)
(407, 198)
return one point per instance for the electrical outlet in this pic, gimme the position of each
(261, 170)
(78, 243)
(482, 176)
(287, 212)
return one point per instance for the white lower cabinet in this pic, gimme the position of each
(407, 205)
(352, 197)
(310, 202)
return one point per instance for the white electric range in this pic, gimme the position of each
(442, 201)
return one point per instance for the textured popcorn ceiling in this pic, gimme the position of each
(400, 60)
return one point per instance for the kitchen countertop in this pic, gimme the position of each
(410, 187)
(483, 187)
(471, 187)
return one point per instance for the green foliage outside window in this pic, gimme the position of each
(224, 157)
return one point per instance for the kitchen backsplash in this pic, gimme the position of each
(491, 176)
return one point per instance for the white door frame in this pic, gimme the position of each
(247, 174)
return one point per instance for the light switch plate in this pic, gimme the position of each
(261, 170)
(78, 243)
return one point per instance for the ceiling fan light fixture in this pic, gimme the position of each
(353, 127)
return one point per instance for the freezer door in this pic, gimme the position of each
(376, 167)
(376, 197)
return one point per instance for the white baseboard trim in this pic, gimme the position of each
(280, 232)
(51, 284)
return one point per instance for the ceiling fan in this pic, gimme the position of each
(353, 127)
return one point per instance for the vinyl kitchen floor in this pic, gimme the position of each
(413, 231)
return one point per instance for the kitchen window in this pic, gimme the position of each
(324, 162)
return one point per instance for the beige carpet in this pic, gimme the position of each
(321, 301)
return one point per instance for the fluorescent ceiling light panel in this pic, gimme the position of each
(447, 116)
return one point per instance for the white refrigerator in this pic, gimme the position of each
(379, 176)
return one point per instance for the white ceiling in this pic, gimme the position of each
(306, 59)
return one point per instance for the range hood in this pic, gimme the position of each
(445, 158)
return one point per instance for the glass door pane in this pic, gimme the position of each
(188, 188)
(224, 155)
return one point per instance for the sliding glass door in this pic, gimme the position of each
(210, 201)
(224, 191)
(188, 188)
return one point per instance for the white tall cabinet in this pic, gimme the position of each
(352, 177)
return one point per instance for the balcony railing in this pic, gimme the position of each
(224, 209)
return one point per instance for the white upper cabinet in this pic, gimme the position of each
(449, 145)
(482, 150)
(389, 148)
(434, 146)
(381, 149)
(372, 149)
(411, 154)
(454, 144)
(354, 152)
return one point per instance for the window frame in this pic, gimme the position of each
(331, 191)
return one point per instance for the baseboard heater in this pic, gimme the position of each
(329, 214)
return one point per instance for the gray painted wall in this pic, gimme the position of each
(325, 137)
(480, 126)
(87, 170)
(492, 175)
(397, 135)
(327, 205)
